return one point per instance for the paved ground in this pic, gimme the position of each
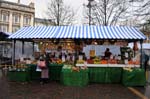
(55, 90)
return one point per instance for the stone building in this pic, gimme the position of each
(13, 16)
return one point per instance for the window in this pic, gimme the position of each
(15, 28)
(5, 16)
(16, 18)
(27, 20)
(4, 28)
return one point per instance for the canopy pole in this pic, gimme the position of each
(33, 47)
(76, 51)
(22, 47)
(141, 64)
(13, 52)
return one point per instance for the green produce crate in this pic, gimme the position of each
(97, 74)
(19, 76)
(55, 71)
(35, 75)
(136, 77)
(74, 78)
(105, 74)
(113, 75)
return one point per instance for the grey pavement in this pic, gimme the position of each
(55, 90)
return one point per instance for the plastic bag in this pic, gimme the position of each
(38, 69)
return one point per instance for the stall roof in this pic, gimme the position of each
(79, 32)
(4, 35)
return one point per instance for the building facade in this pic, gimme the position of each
(43, 22)
(13, 16)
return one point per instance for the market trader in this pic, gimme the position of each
(107, 53)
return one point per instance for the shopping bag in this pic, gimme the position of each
(42, 64)
(38, 68)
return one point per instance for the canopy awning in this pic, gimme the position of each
(79, 32)
(4, 35)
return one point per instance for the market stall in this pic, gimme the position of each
(89, 42)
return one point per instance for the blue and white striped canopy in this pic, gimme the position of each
(79, 32)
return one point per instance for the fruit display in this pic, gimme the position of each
(131, 62)
(120, 61)
(104, 61)
(136, 62)
(59, 61)
(67, 66)
(83, 67)
(20, 67)
(96, 60)
(112, 61)
(80, 61)
(76, 69)
(90, 61)
(128, 69)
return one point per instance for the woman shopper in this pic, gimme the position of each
(45, 70)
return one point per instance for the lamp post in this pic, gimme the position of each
(105, 23)
(58, 14)
(58, 7)
(89, 6)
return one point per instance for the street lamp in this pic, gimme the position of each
(58, 7)
(89, 6)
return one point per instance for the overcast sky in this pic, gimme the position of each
(41, 6)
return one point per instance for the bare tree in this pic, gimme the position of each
(61, 13)
(112, 12)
